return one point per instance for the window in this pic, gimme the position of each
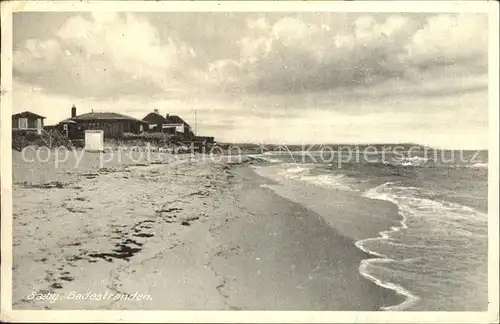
(23, 123)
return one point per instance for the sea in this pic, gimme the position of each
(437, 255)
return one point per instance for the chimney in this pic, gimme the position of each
(156, 111)
(168, 115)
(73, 111)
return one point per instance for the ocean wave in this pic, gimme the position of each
(329, 181)
(478, 165)
(412, 161)
(459, 224)
(264, 158)
(332, 181)
(379, 193)
(297, 169)
(285, 152)
(410, 298)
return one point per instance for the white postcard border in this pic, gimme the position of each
(246, 316)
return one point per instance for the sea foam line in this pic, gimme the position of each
(381, 258)
(478, 165)
(410, 298)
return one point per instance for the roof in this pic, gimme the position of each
(68, 121)
(154, 118)
(174, 119)
(105, 116)
(26, 114)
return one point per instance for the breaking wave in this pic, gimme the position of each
(479, 165)
(409, 258)
(325, 180)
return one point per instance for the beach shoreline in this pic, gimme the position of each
(190, 235)
(287, 249)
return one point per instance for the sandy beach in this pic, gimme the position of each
(176, 234)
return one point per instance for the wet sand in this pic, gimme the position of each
(184, 235)
(282, 256)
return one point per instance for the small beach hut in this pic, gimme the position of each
(27, 121)
(94, 140)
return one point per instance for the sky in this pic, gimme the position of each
(284, 78)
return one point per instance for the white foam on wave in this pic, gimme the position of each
(410, 298)
(264, 158)
(329, 181)
(416, 159)
(297, 169)
(478, 165)
(380, 194)
(289, 153)
(412, 161)
(411, 205)
(302, 173)
(284, 173)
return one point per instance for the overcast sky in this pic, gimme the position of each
(265, 77)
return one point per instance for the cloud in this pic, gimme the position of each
(122, 54)
(312, 77)
(451, 39)
(292, 55)
(106, 55)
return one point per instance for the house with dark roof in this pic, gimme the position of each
(177, 123)
(114, 125)
(27, 121)
(155, 121)
(170, 124)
